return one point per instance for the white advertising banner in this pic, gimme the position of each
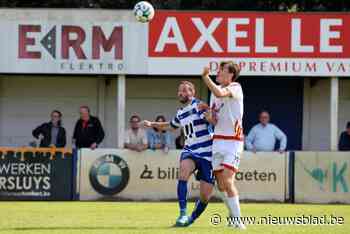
(322, 177)
(72, 42)
(263, 176)
(152, 175)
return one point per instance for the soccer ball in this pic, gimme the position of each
(143, 11)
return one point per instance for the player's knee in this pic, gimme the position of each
(221, 187)
(231, 190)
(227, 184)
(184, 174)
(206, 193)
(186, 168)
(227, 181)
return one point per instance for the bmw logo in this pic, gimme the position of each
(109, 174)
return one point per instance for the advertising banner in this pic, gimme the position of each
(35, 174)
(322, 177)
(55, 41)
(273, 44)
(152, 175)
(262, 176)
(62, 41)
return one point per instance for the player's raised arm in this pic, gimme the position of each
(215, 89)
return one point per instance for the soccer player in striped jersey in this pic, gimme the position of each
(227, 104)
(196, 155)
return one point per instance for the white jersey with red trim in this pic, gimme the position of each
(229, 114)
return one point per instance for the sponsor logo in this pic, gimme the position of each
(248, 35)
(25, 177)
(170, 173)
(334, 176)
(305, 43)
(73, 42)
(75, 48)
(109, 175)
(31, 173)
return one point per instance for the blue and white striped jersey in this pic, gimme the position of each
(198, 139)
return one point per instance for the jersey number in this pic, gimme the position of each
(189, 131)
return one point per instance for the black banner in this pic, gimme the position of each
(35, 174)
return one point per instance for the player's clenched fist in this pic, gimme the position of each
(203, 106)
(206, 71)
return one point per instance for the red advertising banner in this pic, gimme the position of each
(262, 43)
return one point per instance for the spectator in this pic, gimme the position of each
(136, 138)
(344, 141)
(262, 137)
(88, 131)
(52, 133)
(180, 141)
(159, 139)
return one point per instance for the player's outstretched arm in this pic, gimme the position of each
(215, 89)
(163, 126)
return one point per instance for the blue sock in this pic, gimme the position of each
(198, 210)
(182, 196)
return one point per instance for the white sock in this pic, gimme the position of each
(234, 208)
(223, 196)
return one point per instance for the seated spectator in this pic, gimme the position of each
(51, 134)
(263, 136)
(344, 140)
(135, 136)
(88, 130)
(180, 141)
(159, 139)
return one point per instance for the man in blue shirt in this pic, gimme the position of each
(263, 136)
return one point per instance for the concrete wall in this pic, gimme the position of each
(316, 123)
(27, 101)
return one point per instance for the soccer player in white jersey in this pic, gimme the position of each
(227, 106)
(196, 155)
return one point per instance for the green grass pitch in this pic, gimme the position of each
(143, 217)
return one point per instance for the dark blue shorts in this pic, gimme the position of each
(204, 169)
